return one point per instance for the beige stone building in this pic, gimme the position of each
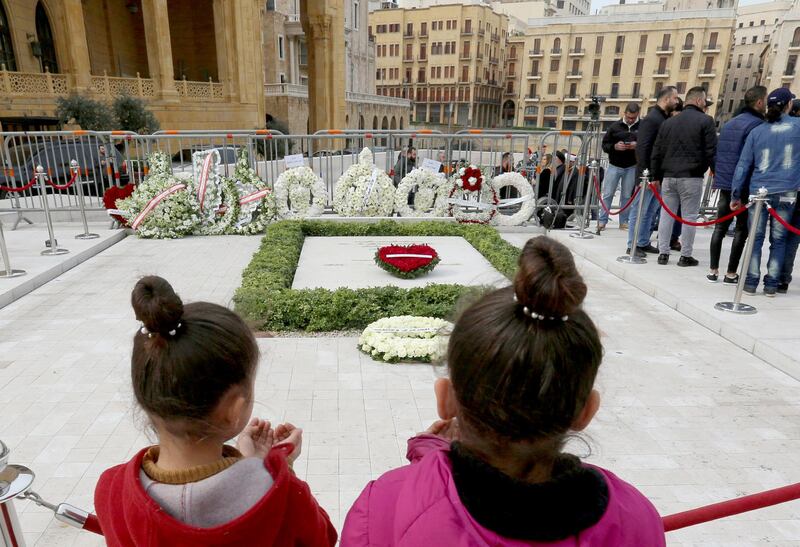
(624, 57)
(449, 60)
(779, 57)
(192, 61)
(286, 70)
(755, 25)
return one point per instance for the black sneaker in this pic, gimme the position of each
(675, 245)
(783, 288)
(638, 254)
(648, 249)
(749, 290)
(770, 291)
(663, 259)
(731, 280)
(712, 278)
(686, 261)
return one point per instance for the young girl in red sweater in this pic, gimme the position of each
(193, 369)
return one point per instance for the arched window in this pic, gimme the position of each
(531, 110)
(401, 122)
(6, 45)
(361, 122)
(385, 123)
(612, 111)
(375, 122)
(551, 111)
(45, 36)
(393, 123)
(796, 37)
(688, 43)
(557, 44)
(570, 110)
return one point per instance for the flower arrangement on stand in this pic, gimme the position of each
(256, 202)
(406, 338)
(114, 194)
(217, 197)
(300, 193)
(364, 190)
(471, 199)
(160, 207)
(407, 261)
(430, 198)
(526, 199)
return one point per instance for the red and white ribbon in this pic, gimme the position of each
(255, 196)
(153, 203)
(203, 182)
(409, 255)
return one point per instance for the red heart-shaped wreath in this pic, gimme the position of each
(116, 193)
(407, 261)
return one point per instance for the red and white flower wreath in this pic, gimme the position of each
(472, 200)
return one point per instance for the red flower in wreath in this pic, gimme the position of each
(472, 179)
(407, 261)
(117, 193)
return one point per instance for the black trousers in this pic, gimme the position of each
(721, 229)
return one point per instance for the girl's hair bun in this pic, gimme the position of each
(156, 305)
(547, 281)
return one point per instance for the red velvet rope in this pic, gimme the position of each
(737, 212)
(92, 524)
(68, 184)
(785, 224)
(731, 507)
(19, 189)
(603, 203)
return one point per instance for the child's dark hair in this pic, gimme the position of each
(185, 358)
(519, 378)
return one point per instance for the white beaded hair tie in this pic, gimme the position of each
(149, 334)
(539, 317)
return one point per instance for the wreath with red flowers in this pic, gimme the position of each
(407, 261)
(469, 183)
(115, 193)
(471, 179)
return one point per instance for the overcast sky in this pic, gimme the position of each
(597, 4)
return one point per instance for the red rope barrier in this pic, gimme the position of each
(20, 188)
(737, 212)
(603, 203)
(731, 507)
(92, 524)
(778, 217)
(68, 184)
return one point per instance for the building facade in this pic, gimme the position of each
(192, 61)
(449, 60)
(286, 70)
(779, 57)
(755, 25)
(623, 58)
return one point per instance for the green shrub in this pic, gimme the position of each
(131, 114)
(91, 115)
(267, 300)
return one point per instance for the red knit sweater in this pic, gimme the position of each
(287, 515)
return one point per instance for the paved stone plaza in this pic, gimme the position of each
(687, 416)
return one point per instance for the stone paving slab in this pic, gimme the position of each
(771, 334)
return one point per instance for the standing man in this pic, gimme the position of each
(684, 150)
(619, 143)
(646, 137)
(731, 142)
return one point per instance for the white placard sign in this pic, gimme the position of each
(431, 165)
(293, 160)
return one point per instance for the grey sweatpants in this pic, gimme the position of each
(686, 193)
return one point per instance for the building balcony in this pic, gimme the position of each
(408, 35)
(580, 52)
(533, 98)
(622, 98)
(534, 75)
(664, 50)
(707, 74)
(794, 46)
(535, 53)
(495, 37)
(465, 57)
(292, 27)
(574, 75)
(712, 48)
(788, 76)
(481, 32)
(408, 59)
(467, 32)
(572, 98)
(555, 51)
(422, 59)
(422, 33)
(658, 74)
(687, 49)
(494, 60)
(510, 92)
(301, 91)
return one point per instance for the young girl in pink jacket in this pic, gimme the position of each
(522, 364)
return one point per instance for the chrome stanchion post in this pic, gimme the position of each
(632, 258)
(587, 204)
(736, 306)
(53, 248)
(76, 172)
(8, 272)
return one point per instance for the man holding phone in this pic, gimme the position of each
(619, 143)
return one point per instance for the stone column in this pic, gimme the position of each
(159, 47)
(323, 25)
(77, 47)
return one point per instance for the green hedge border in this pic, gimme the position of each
(267, 300)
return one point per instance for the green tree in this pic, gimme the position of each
(132, 115)
(89, 114)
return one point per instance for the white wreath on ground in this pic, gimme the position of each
(406, 338)
(300, 193)
(472, 206)
(216, 194)
(430, 199)
(364, 190)
(525, 198)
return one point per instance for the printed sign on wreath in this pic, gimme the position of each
(293, 160)
(431, 165)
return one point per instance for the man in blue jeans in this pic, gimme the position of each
(792, 242)
(619, 143)
(770, 159)
(648, 131)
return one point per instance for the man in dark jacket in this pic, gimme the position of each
(731, 142)
(684, 150)
(646, 137)
(619, 143)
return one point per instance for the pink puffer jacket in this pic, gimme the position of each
(418, 505)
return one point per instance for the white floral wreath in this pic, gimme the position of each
(220, 201)
(300, 193)
(526, 199)
(406, 338)
(256, 202)
(471, 206)
(364, 190)
(430, 199)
